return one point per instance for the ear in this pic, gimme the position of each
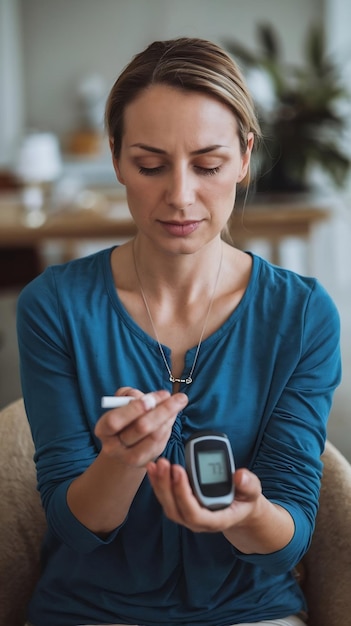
(245, 162)
(116, 163)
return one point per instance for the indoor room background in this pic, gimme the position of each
(54, 56)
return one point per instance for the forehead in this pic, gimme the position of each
(161, 110)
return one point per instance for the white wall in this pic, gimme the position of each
(337, 240)
(11, 80)
(63, 41)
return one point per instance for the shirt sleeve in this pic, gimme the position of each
(64, 443)
(288, 460)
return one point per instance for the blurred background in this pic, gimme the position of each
(58, 194)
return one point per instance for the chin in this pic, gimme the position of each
(183, 245)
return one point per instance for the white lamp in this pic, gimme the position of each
(39, 164)
(39, 159)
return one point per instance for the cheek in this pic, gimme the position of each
(220, 201)
(141, 195)
(226, 195)
(225, 189)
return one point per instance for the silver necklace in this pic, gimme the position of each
(189, 379)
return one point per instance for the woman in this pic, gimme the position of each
(203, 336)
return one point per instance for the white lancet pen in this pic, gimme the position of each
(113, 402)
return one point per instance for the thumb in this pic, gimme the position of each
(247, 485)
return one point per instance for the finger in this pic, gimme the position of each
(143, 451)
(156, 414)
(172, 489)
(188, 506)
(160, 476)
(116, 419)
(191, 513)
(137, 443)
(175, 495)
(129, 391)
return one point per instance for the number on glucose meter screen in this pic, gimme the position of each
(213, 467)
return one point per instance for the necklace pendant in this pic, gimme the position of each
(187, 380)
(176, 380)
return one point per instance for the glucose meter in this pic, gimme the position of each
(210, 466)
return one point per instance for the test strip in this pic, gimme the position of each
(113, 402)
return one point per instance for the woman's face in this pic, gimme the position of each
(180, 162)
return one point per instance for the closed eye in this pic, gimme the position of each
(150, 171)
(203, 171)
(207, 171)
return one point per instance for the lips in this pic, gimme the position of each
(181, 229)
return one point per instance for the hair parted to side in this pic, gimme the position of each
(185, 63)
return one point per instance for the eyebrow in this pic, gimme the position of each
(205, 150)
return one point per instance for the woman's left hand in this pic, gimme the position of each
(251, 523)
(172, 489)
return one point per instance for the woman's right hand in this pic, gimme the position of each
(131, 436)
(138, 432)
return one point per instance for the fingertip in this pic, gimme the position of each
(151, 468)
(241, 478)
(244, 478)
(153, 398)
(176, 473)
(181, 398)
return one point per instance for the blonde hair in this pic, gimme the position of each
(186, 63)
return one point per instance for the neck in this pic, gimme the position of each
(185, 274)
(189, 377)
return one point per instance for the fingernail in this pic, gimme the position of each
(149, 401)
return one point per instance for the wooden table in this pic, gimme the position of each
(275, 220)
(269, 220)
(100, 222)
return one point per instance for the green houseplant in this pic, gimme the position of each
(298, 112)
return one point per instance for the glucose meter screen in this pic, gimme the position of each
(212, 467)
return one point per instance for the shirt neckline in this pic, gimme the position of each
(128, 320)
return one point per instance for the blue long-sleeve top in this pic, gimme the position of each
(266, 378)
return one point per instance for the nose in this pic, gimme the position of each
(181, 188)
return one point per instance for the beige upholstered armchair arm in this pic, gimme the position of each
(22, 521)
(327, 565)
